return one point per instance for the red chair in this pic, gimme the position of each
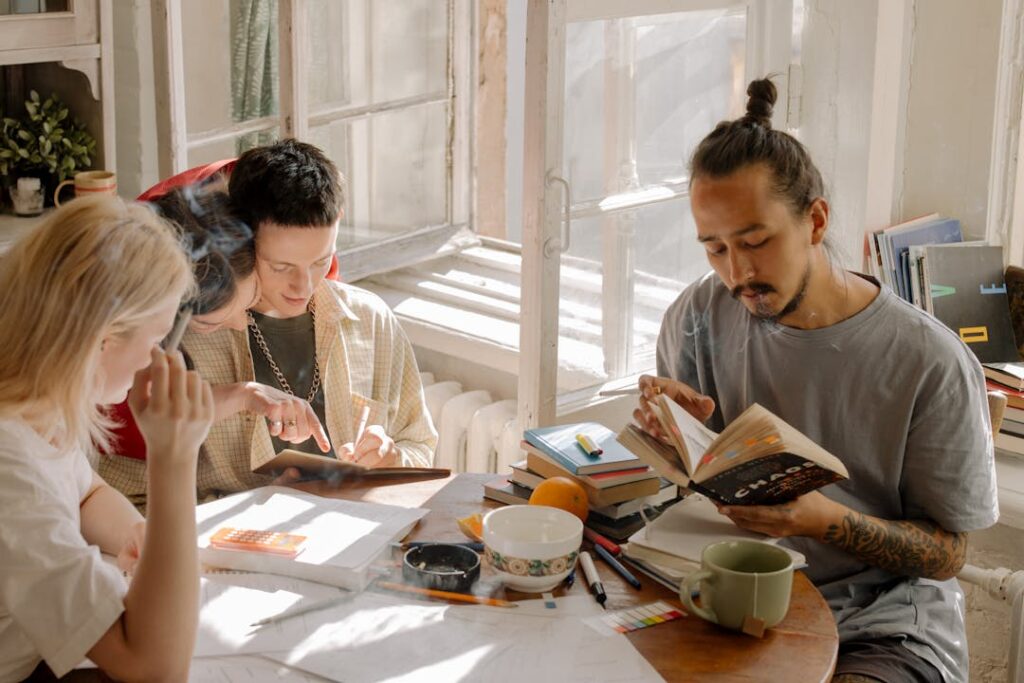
(128, 441)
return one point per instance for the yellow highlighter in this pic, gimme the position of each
(588, 445)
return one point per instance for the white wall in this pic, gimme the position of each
(950, 110)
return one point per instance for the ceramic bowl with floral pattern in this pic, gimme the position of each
(532, 548)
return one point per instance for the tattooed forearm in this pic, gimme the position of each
(911, 548)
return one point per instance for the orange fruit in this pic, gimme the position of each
(563, 493)
(472, 526)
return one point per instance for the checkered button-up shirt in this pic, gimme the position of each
(365, 359)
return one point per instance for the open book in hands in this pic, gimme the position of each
(757, 460)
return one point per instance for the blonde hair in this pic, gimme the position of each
(94, 268)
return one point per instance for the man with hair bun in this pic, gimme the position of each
(779, 322)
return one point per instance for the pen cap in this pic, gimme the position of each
(589, 570)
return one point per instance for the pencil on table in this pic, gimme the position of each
(443, 595)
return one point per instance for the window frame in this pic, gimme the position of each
(296, 117)
(769, 50)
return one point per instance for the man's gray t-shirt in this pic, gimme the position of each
(892, 393)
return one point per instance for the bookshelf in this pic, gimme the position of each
(65, 48)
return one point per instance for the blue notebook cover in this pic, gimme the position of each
(939, 231)
(559, 443)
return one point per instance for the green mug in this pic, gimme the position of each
(744, 585)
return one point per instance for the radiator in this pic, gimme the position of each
(475, 433)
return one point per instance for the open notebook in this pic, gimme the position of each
(674, 541)
(343, 537)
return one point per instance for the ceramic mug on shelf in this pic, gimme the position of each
(744, 585)
(89, 183)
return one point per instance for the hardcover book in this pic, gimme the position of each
(559, 443)
(758, 459)
(968, 294)
(1008, 374)
(608, 495)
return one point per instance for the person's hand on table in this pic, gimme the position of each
(374, 449)
(809, 515)
(131, 551)
(691, 400)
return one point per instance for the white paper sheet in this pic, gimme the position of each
(246, 669)
(230, 602)
(382, 638)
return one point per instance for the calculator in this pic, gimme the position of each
(273, 542)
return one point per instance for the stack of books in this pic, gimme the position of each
(618, 485)
(963, 284)
(1009, 379)
(889, 251)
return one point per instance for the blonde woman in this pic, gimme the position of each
(84, 300)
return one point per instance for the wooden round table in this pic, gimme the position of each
(801, 648)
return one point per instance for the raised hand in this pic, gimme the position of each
(173, 407)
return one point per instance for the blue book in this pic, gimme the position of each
(559, 443)
(938, 231)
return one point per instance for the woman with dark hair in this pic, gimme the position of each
(223, 257)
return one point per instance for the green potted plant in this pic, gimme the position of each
(46, 143)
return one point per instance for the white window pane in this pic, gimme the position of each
(365, 52)
(618, 278)
(410, 48)
(337, 52)
(642, 92)
(230, 62)
(395, 168)
(230, 148)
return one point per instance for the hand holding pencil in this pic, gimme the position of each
(372, 447)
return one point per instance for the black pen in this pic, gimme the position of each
(593, 580)
(617, 566)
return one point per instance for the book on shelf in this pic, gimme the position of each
(968, 294)
(1013, 427)
(1011, 443)
(343, 537)
(880, 255)
(758, 459)
(1015, 414)
(1008, 374)
(1015, 299)
(1014, 398)
(935, 231)
(559, 444)
(322, 466)
(675, 541)
(607, 495)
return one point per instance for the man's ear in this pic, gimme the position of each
(818, 215)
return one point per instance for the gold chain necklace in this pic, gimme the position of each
(262, 343)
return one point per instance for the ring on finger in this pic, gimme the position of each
(275, 423)
(289, 423)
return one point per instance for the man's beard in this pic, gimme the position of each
(761, 310)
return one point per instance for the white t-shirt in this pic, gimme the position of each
(57, 596)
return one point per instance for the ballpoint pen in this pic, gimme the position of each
(593, 580)
(617, 566)
(305, 609)
(600, 540)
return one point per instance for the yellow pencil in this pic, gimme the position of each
(444, 595)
